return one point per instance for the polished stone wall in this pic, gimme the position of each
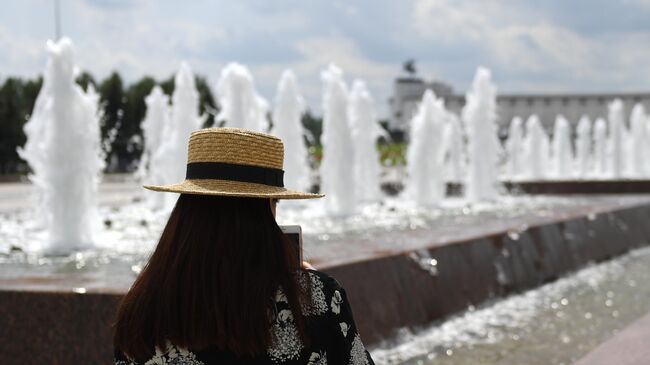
(386, 292)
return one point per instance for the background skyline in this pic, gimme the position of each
(554, 46)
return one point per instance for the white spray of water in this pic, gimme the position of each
(583, 147)
(454, 149)
(241, 105)
(616, 139)
(185, 118)
(638, 157)
(514, 147)
(365, 132)
(479, 115)
(536, 149)
(425, 184)
(600, 149)
(647, 150)
(287, 125)
(156, 121)
(337, 166)
(562, 149)
(64, 153)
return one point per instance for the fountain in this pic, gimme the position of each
(287, 125)
(600, 149)
(156, 123)
(479, 115)
(616, 139)
(638, 159)
(172, 152)
(337, 167)
(454, 149)
(647, 151)
(562, 149)
(241, 106)
(63, 151)
(583, 148)
(425, 185)
(536, 149)
(446, 253)
(514, 149)
(365, 132)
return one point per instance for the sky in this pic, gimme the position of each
(530, 46)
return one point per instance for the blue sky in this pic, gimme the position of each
(531, 46)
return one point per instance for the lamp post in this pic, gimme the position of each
(57, 21)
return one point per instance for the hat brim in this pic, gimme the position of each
(231, 188)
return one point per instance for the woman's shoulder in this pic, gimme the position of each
(171, 354)
(320, 279)
(324, 292)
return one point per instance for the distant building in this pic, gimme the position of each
(408, 91)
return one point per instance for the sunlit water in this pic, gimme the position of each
(63, 150)
(483, 148)
(555, 324)
(129, 232)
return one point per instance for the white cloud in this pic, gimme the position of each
(320, 51)
(123, 36)
(20, 55)
(507, 33)
(628, 57)
(317, 53)
(527, 47)
(641, 3)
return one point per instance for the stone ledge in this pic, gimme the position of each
(387, 292)
(562, 187)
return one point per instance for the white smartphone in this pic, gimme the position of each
(295, 236)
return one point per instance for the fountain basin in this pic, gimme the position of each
(399, 290)
(546, 187)
(556, 187)
(403, 279)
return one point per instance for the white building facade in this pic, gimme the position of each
(408, 91)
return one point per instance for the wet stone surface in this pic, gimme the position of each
(402, 266)
(552, 325)
(127, 233)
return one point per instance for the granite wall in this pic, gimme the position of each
(387, 293)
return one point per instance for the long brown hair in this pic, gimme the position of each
(211, 280)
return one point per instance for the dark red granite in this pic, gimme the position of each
(392, 292)
(56, 328)
(388, 289)
(580, 187)
(550, 187)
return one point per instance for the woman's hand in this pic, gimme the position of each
(307, 265)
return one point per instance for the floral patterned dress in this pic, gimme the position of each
(329, 324)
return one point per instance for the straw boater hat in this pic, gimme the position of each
(234, 162)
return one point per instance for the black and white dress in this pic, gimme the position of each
(329, 325)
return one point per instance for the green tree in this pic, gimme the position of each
(31, 88)
(84, 79)
(17, 100)
(123, 109)
(314, 126)
(207, 102)
(111, 92)
(135, 109)
(11, 122)
(168, 85)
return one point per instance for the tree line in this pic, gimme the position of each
(122, 110)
